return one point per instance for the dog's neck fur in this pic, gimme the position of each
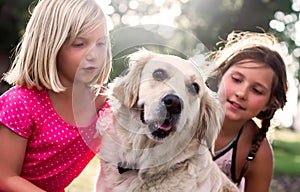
(187, 164)
(145, 164)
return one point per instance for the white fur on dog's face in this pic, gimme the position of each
(165, 119)
(164, 76)
(163, 113)
(160, 106)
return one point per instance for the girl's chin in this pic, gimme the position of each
(232, 116)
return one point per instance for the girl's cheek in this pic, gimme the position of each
(259, 103)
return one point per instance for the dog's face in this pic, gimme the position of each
(169, 95)
(166, 96)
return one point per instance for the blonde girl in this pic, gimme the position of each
(64, 56)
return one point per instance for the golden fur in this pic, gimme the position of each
(175, 158)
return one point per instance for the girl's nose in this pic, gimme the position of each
(92, 53)
(242, 93)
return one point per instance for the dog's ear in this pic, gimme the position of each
(210, 119)
(126, 88)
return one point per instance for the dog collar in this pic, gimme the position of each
(123, 170)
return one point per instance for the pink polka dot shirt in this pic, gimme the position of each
(56, 152)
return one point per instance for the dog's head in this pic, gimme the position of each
(167, 96)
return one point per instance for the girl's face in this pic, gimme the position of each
(245, 89)
(83, 58)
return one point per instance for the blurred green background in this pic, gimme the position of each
(187, 28)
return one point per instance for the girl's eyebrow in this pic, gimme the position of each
(86, 37)
(103, 38)
(236, 72)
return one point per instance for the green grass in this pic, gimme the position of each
(286, 148)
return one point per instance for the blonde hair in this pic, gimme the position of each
(51, 24)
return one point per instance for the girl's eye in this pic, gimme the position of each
(235, 79)
(77, 44)
(100, 44)
(258, 92)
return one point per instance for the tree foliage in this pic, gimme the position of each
(286, 24)
(213, 19)
(13, 18)
(208, 20)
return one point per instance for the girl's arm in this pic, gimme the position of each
(260, 172)
(12, 152)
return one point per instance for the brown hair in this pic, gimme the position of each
(259, 47)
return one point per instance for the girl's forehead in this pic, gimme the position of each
(253, 69)
(98, 29)
(251, 64)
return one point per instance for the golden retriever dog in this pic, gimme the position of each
(165, 120)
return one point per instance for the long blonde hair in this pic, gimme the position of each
(51, 24)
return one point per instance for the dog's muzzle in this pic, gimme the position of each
(171, 106)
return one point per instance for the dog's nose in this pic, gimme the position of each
(172, 103)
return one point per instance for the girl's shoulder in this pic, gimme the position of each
(265, 149)
(21, 100)
(19, 107)
(263, 160)
(22, 93)
(263, 155)
(249, 133)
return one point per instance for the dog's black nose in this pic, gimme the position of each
(173, 103)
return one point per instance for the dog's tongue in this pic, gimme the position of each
(165, 127)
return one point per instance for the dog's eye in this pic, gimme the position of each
(160, 75)
(194, 88)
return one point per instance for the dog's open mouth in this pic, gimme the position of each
(162, 128)
(161, 131)
(166, 116)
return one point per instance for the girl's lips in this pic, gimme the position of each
(236, 106)
(90, 69)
